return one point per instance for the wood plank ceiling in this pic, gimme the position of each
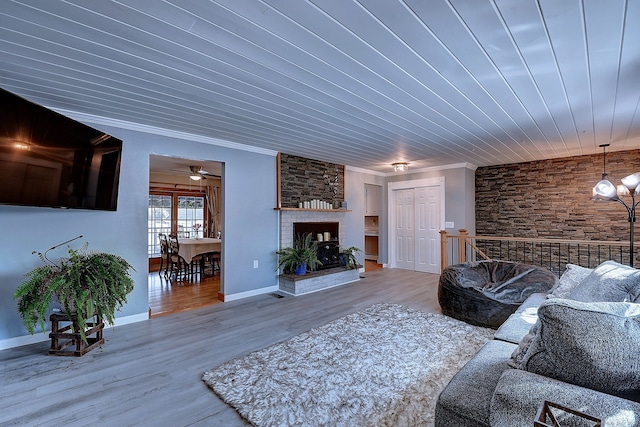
(358, 82)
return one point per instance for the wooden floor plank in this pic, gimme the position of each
(149, 373)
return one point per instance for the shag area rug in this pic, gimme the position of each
(382, 366)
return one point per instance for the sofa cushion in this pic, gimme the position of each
(570, 279)
(519, 394)
(610, 281)
(594, 345)
(519, 323)
(466, 400)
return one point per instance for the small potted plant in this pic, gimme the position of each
(86, 284)
(301, 257)
(348, 257)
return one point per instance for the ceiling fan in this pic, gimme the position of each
(197, 173)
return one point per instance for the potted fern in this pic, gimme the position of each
(301, 257)
(348, 257)
(86, 284)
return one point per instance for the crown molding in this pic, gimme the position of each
(123, 124)
(363, 170)
(434, 168)
(412, 171)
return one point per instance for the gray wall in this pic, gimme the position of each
(355, 197)
(459, 193)
(459, 201)
(250, 223)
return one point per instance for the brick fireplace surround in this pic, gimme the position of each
(288, 218)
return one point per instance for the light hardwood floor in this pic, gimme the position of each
(149, 373)
(172, 296)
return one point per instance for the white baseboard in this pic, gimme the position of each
(24, 340)
(44, 336)
(247, 294)
(134, 318)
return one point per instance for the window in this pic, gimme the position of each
(190, 216)
(172, 212)
(160, 208)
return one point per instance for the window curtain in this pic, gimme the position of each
(212, 206)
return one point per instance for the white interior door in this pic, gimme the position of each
(427, 207)
(416, 221)
(404, 232)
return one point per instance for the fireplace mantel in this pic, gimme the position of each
(313, 210)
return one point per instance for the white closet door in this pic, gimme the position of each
(404, 229)
(427, 229)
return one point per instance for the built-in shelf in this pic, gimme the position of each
(312, 210)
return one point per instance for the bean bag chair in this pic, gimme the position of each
(486, 293)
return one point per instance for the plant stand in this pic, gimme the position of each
(62, 337)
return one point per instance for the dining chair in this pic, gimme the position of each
(164, 253)
(210, 263)
(179, 265)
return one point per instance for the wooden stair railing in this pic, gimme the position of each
(553, 254)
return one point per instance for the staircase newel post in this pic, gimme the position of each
(462, 244)
(444, 250)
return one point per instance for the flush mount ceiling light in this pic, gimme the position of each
(400, 166)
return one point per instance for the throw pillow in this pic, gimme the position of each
(519, 353)
(572, 276)
(610, 281)
(594, 345)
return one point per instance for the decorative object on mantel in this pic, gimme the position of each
(400, 166)
(605, 190)
(333, 184)
(302, 256)
(87, 284)
(382, 366)
(316, 204)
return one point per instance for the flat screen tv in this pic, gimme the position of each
(49, 160)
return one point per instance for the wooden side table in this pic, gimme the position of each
(546, 417)
(66, 339)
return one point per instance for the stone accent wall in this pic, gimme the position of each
(303, 179)
(552, 198)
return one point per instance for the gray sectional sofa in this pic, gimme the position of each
(577, 346)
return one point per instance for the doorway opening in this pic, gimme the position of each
(185, 199)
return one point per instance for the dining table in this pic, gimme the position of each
(191, 247)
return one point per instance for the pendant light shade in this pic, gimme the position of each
(605, 190)
(631, 182)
